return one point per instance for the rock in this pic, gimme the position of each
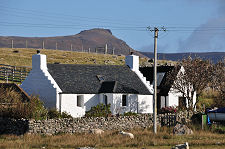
(181, 129)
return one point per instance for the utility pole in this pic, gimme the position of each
(155, 80)
(56, 45)
(12, 44)
(43, 44)
(113, 50)
(156, 30)
(106, 48)
(71, 47)
(26, 43)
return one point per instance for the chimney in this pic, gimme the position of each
(133, 62)
(39, 61)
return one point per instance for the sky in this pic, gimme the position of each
(191, 25)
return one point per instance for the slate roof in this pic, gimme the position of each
(94, 79)
(168, 79)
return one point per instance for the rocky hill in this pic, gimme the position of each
(88, 39)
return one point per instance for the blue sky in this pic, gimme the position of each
(192, 25)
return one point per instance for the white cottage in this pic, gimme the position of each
(76, 88)
(167, 95)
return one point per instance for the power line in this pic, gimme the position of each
(63, 16)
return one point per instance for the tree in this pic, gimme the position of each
(194, 78)
(218, 83)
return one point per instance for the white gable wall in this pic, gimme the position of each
(40, 82)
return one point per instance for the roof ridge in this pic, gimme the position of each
(88, 64)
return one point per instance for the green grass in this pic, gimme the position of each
(24, 57)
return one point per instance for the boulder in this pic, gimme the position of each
(181, 129)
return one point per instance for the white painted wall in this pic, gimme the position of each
(40, 82)
(69, 105)
(135, 103)
(91, 100)
(117, 104)
(145, 103)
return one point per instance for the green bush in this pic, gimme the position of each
(54, 114)
(100, 110)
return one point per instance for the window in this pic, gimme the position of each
(105, 99)
(124, 100)
(80, 100)
(101, 77)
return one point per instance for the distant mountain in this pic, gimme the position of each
(93, 39)
(213, 56)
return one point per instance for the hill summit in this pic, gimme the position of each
(93, 39)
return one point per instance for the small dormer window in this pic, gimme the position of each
(101, 77)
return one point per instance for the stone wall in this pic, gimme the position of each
(80, 125)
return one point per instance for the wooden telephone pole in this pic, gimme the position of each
(156, 31)
(155, 80)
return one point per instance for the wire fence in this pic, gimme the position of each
(13, 73)
(69, 46)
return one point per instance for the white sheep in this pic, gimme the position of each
(97, 131)
(182, 146)
(127, 134)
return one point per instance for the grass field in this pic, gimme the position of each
(144, 139)
(23, 57)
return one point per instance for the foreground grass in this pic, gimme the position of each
(111, 140)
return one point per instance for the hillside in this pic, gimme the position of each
(213, 56)
(93, 39)
(23, 57)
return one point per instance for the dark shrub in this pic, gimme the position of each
(100, 110)
(54, 114)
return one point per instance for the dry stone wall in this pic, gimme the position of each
(79, 125)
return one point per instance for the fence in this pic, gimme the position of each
(69, 46)
(168, 120)
(13, 73)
